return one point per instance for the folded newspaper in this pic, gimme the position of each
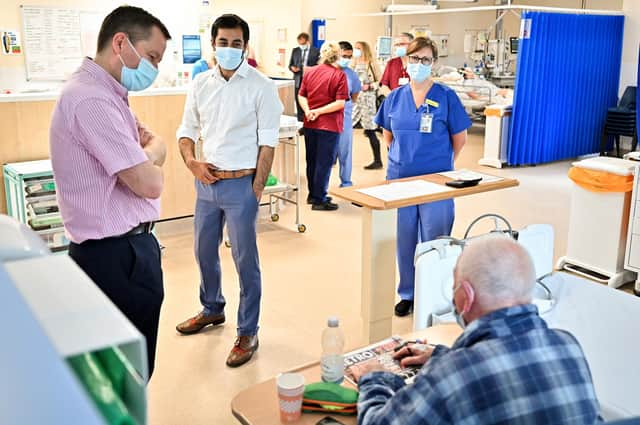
(381, 352)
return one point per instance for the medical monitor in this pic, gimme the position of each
(191, 48)
(513, 45)
(383, 46)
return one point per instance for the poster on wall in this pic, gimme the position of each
(11, 44)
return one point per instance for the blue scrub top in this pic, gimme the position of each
(198, 67)
(354, 85)
(413, 153)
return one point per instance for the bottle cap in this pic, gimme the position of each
(333, 322)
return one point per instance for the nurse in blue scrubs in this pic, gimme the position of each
(425, 127)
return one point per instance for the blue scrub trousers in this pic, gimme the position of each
(321, 150)
(233, 201)
(345, 148)
(425, 222)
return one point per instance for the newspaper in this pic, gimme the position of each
(382, 352)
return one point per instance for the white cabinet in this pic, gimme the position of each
(632, 258)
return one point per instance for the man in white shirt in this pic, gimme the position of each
(237, 112)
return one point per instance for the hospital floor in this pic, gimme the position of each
(306, 278)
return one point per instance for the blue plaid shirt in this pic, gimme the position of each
(507, 367)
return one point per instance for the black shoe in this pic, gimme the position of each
(373, 166)
(325, 206)
(310, 201)
(404, 308)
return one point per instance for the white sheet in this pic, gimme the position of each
(403, 190)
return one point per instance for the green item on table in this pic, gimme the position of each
(272, 180)
(49, 187)
(112, 362)
(331, 392)
(96, 382)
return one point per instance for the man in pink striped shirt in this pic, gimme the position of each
(107, 168)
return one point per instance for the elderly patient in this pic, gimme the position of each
(507, 367)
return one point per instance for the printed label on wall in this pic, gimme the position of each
(11, 42)
(525, 29)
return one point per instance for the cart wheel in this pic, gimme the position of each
(227, 244)
(275, 217)
(302, 228)
(635, 291)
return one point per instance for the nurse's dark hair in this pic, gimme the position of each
(133, 21)
(345, 45)
(230, 21)
(420, 43)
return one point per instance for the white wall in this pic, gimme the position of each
(629, 74)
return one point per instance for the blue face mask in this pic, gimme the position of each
(229, 58)
(418, 72)
(401, 51)
(344, 62)
(357, 53)
(136, 79)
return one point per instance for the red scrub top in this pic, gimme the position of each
(321, 85)
(392, 74)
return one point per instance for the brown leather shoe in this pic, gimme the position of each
(242, 350)
(195, 324)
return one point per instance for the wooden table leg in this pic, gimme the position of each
(378, 272)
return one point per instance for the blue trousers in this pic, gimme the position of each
(345, 150)
(233, 201)
(321, 150)
(424, 222)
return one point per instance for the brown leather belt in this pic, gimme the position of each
(233, 174)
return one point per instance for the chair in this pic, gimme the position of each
(621, 121)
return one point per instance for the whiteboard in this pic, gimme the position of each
(56, 40)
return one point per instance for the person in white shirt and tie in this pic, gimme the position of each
(236, 110)
(305, 55)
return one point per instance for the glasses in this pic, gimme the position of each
(425, 60)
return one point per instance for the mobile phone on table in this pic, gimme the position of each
(328, 420)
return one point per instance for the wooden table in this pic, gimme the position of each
(258, 404)
(379, 245)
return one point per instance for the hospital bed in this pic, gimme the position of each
(601, 318)
(474, 106)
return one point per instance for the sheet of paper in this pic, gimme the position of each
(465, 174)
(403, 190)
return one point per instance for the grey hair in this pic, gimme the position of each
(329, 52)
(407, 34)
(499, 269)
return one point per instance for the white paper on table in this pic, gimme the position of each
(403, 190)
(465, 174)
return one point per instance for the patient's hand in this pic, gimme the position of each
(414, 354)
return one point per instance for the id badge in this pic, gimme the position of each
(426, 122)
(403, 81)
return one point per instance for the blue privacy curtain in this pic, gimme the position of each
(567, 76)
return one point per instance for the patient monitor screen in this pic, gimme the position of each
(383, 46)
(513, 45)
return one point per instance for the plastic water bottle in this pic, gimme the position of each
(332, 361)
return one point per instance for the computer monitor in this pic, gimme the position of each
(513, 45)
(191, 48)
(383, 46)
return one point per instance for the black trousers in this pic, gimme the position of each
(299, 111)
(129, 272)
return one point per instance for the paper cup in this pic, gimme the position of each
(290, 391)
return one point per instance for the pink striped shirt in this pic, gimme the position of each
(93, 136)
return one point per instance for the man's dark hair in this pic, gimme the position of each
(304, 36)
(345, 45)
(133, 21)
(230, 21)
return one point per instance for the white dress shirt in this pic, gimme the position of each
(234, 117)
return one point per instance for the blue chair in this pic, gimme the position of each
(621, 121)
